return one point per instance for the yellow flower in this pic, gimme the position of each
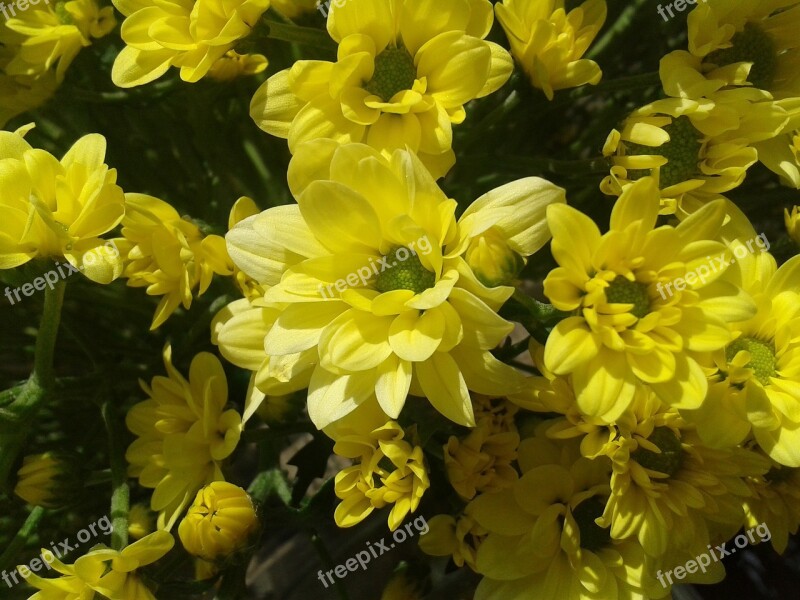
(233, 65)
(482, 460)
(141, 521)
(630, 325)
(543, 538)
(351, 310)
(405, 70)
(192, 36)
(38, 480)
(183, 433)
(695, 149)
(666, 485)
(219, 523)
(735, 44)
(776, 504)
(402, 587)
(793, 223)
(549, 42)
(169, 255)
(107, 573)
(754, 380)
(374, 482)
(457, 537)
(55, 209)
(49, 35)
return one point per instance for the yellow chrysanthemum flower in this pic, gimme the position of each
(755, 379)
(168, 254)
(192, 36)
(54, 209)
(629, 324)
(49, 35)
(38, 479)
(695, 149)
(666, 485)
(775, 503)
(747, 42)
(543, 540)
(183, 434)
(482, 460)
(549, 42)
(457, 537)
(402, 587)
(232, 65)
(350, 310)
(793, 223)
(405, 70)
(104, 573)
(219, 522)
(389, 471)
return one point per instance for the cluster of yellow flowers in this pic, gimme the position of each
(652, 412)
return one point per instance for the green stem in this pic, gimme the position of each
(47, 334)
(327, 561)
(28, 527)
(19, 416)
(616, 31)
(308, 36)
(120, 494)
(544, 313)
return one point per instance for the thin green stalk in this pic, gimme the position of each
(308, 36)
(120, 494)
(327, 561)
(623, 22)
(10, 554)
(43, 373)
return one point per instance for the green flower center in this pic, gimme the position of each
(753, 45)
(623, 291)
(762, 356)
(670, 459)
(394, 72)
(593, 537)
(682, 152)
(405, 272)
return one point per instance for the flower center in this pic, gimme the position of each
(405, 272)
(762, 356)
(622, 291)
(593, 537)
(394, 72)
(682, 152)
(670, 459)
(754, 45)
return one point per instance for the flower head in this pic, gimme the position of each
(193, 36)
(55, 209)
(628, 324)
(183, 433)
(42, 479)
(103, 573)
(48, 35)
(219, 522)
(169, 255)
(793, 223)
(367, 294)
(405, 70)
(549, 42)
